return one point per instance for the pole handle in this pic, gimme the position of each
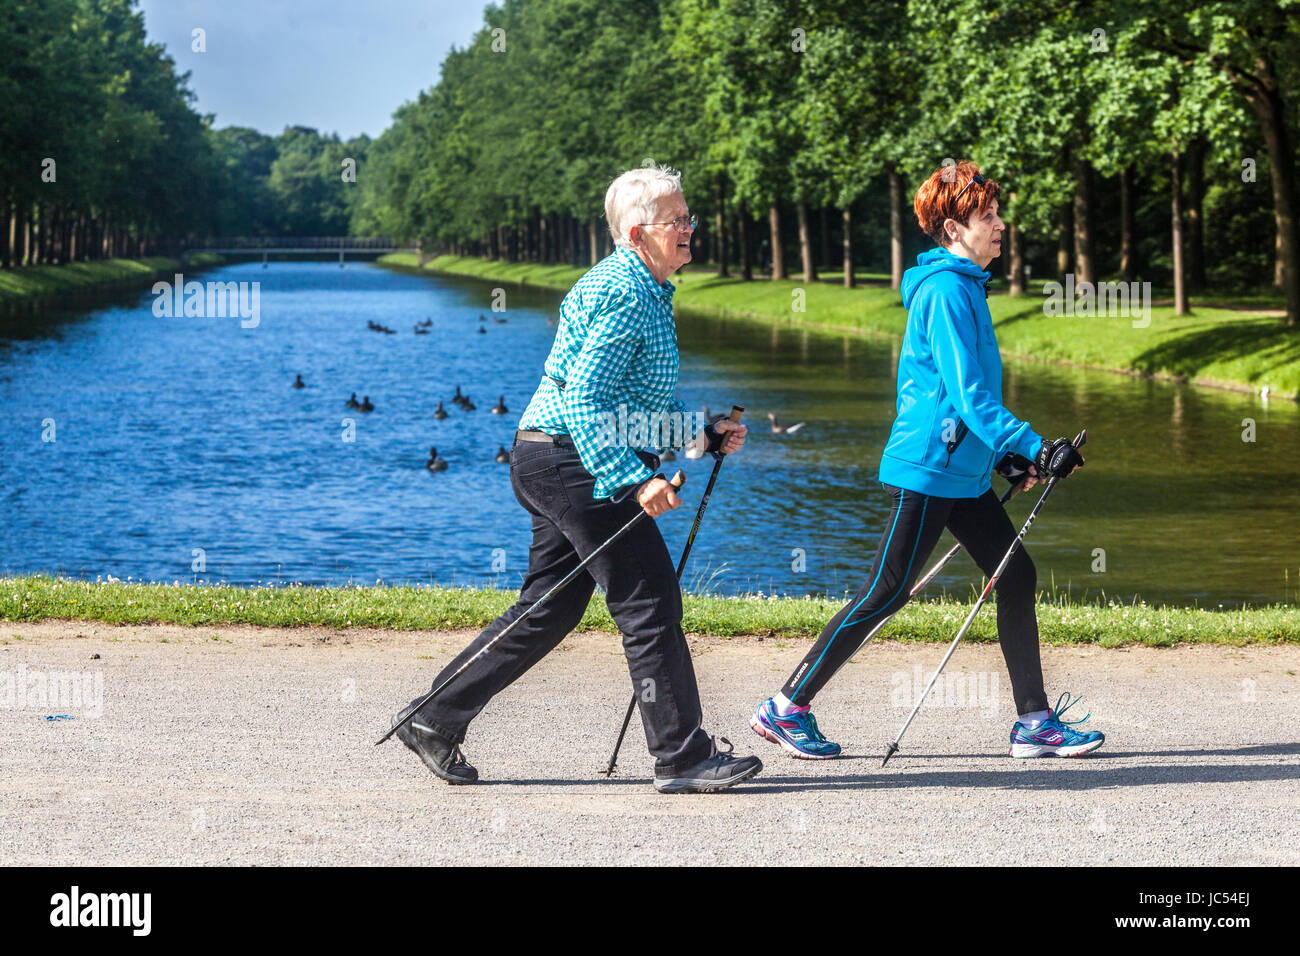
(736, 412)
(678, 480)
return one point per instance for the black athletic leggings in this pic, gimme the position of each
(915, 522)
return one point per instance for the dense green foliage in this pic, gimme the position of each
(1095, 117)
(102, 153)
(1131, 142)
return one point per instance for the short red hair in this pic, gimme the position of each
(934, 200)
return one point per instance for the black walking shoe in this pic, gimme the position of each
(718, 771)
(438, 753)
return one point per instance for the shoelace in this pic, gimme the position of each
(816, 734)
(724, 755)
(1058, 710)
(457, 758)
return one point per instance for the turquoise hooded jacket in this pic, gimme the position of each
(951, 426)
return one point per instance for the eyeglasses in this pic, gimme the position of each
(976, 180)
(681, 223)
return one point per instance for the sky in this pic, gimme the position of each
(339, 66)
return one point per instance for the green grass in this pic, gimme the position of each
(30, 281)
(37, 598)
(1217, 346)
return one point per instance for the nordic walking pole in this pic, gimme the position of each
(678, 480)
(736, 412)
(988, 589)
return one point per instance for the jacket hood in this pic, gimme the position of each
(937, 259)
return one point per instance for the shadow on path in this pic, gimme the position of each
(1098, 771)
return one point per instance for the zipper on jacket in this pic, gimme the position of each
(957, 439)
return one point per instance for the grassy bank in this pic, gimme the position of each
(35, 281)
(39, 598)
(1216, 346)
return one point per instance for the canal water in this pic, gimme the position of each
(176, 449)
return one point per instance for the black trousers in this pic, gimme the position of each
(915, 522)
(641, 591)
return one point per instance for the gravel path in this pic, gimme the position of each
(254, 746)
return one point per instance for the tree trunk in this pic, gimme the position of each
(1084, 267)
(6, 234)
(774, 227)
(847, 242)
(895, 229)
(1267, 100)
(1065, 240)
(824, 220)
(1279, 273)
(67, 250)
(805, 243)
(1195, 225)
(1176, 208)
(746, 250)
(1127, 229)
(720, 229)
(1016, 258)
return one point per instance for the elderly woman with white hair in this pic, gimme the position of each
(614, 360)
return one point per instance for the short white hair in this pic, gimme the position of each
(633, 199)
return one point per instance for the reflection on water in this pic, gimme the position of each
(179, 444)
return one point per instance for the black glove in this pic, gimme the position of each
(1012, 467)
(1057, 458)
(715, 437)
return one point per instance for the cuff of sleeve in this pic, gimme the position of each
(623, 491)
(1029, 444)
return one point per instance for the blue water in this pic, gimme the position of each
(180, 443)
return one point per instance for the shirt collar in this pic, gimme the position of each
(662, 290)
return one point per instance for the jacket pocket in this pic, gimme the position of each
(956, 441)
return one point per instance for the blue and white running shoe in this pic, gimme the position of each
(1055, 737)
(797, 733)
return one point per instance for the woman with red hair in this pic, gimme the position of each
(950, 431)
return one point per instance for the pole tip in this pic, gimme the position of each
(889, 752)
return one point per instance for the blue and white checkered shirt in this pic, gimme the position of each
(612, 372)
